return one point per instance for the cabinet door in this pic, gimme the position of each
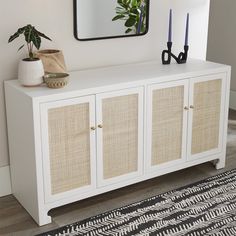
(167, 112)
(207, 97)
(68, 141)
(120, 135)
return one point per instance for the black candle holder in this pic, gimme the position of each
(167, 55)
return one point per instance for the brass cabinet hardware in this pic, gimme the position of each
(186, 108)
(100, 126)
(93, 128)
(192, 107)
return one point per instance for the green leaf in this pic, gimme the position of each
(130, 22)
(42, 35)
(118, 17)
(128, 30)
(20, 47)
(143, 28)
(123, 5)
(28, 33)
(133, 15)
(119, 8)
(21, 30)
(134, 3)
(122, 13)
(17, 34)
(135, 11)
(35, 38)
(13, 37)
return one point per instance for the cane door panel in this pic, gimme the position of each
(206, 115)
(69, 144)
(167, 112)
(120, 135)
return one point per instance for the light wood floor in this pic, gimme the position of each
(14, 220)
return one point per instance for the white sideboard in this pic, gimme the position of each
(112, 127)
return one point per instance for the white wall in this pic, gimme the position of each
(222, 38)
(199, 14)
(55, 18)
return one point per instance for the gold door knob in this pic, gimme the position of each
(100, 126)
(192, 107)
(186, 108)
(93, 128)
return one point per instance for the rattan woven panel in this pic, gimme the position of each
(206, 116)
(69, 145)
(120, 135)
(167, 124)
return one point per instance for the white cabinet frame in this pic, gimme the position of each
(45, 147)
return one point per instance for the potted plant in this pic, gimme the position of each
(30, 70)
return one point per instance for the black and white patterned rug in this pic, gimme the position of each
(205, 208)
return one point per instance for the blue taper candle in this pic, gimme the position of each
(187, 30)
(140, 20)
(170, 27)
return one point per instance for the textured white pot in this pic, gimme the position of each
(30, 73)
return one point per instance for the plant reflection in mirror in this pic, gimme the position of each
(133, 12)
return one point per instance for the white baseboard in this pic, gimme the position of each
(5, 181)
(232, 101)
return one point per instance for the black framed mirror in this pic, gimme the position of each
(104, 19)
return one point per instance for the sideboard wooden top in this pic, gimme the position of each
(91, 81)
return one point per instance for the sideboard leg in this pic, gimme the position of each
(220, 164)
(44, 219)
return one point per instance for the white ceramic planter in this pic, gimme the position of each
(30, 73)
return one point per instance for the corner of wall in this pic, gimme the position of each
(5, 181)
(232, 103)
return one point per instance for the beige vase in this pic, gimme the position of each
(53, 60)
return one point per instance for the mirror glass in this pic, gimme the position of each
(99, 19)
